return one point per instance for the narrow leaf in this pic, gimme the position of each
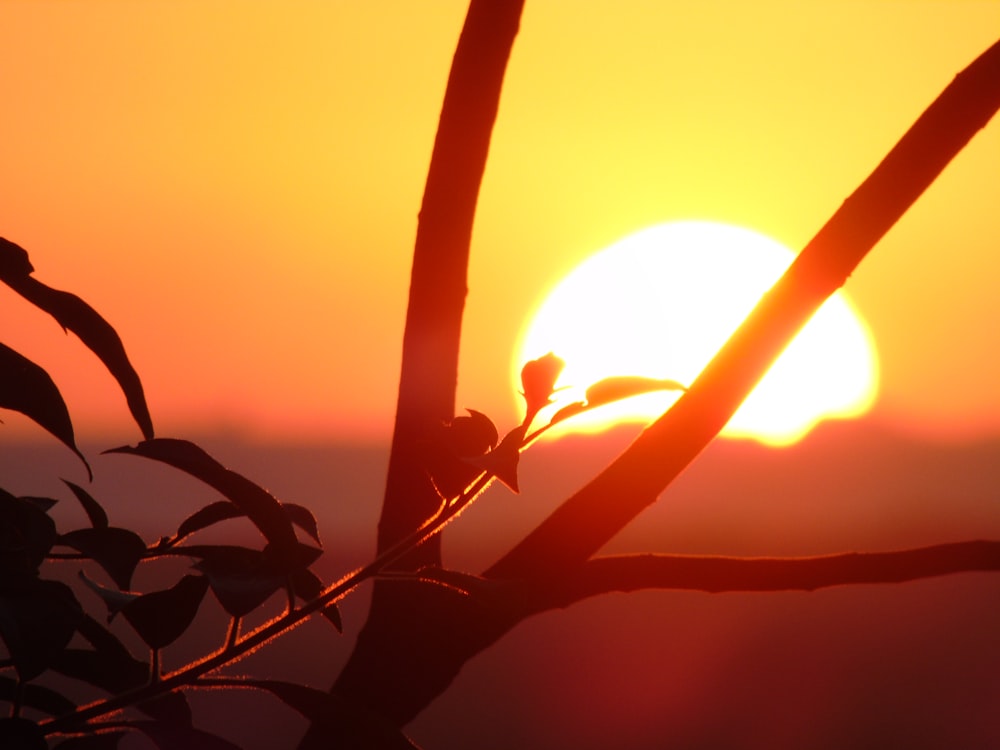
(302, 517)
(207, 516)
(625, 386)
(27, 388)
(73, 314)
(98, 518)
(258, 504)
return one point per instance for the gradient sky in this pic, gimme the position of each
(235, 186)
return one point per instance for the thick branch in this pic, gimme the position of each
(628, 573)
(585, 522)
(438, 286)
(388, 658)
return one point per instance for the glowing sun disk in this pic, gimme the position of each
(661, 302)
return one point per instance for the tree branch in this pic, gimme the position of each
(628, 573)
(587, 520)
(388, 658)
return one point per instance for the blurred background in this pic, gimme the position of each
(235, 187)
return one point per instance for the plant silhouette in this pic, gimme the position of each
(425, 621)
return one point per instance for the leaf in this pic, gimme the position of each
(27, 533)
(116, 550)
(159, 617)
(36, 623)
(27, 388)
(169, 736)
(36, 696)
(103, 741)
(570, 410)
(502, 461)
(211, 514)
(98, 518)
(302, 517)
(472, 435)
(538, 379)
(307, 585)
(111, 667)
(73, 314)
(224, 510)
(241, 578)
(113, 599)
(258, 504)
(337, 722)
(44, 504)
(625, 386)
(17, 733)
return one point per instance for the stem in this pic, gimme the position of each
(238, 647)
(234, 632)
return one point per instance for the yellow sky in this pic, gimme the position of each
(235, 186)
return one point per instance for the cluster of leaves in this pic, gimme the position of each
(43, 624)
(45, 628)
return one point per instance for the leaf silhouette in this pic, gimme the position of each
(502, 461)
(116, 550)
(258, 504)
(27, 533)
(625, 386)
(224, 510)
(75, 315)
(112, 668)
(241, 578)
(538, 379)
(302, 517)
(209, 515)
(307, 585)
(98, 518)
(472, 435)
(27, 388)
(570, 410)
(36, 623)
(159, 617)
(335, 718)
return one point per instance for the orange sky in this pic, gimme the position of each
(235, 186)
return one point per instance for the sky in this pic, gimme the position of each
(235, 186)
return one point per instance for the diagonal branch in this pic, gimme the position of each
(587, 520)
(627, 573)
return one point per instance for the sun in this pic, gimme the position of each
(661, 302)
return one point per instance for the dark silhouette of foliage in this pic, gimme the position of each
(425, 620)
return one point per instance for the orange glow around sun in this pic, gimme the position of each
(662, 301)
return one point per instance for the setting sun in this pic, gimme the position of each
(661, 302)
